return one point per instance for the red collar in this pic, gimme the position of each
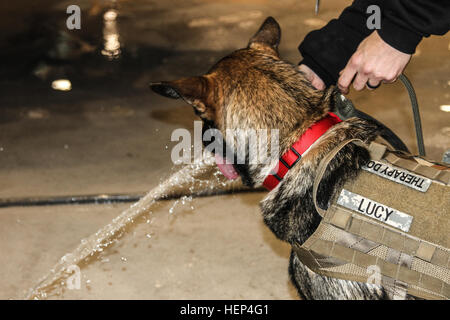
(294, 154)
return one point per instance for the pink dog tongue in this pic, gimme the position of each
(227, 169)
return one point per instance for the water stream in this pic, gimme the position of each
(190, 180)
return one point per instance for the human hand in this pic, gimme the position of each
(373, 62)
(312, 77)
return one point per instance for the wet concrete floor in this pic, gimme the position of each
(110, 134)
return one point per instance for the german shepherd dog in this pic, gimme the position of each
(253, 88)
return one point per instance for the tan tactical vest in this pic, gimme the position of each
(388, 227)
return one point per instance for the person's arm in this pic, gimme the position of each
(327, 50)
(405, 22)
(384, 54)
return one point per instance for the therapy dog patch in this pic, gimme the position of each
(375, 210)
(398, 175)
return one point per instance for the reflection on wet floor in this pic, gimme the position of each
(62, 85)
(111, 35)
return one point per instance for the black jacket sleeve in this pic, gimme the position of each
(405, 22)
(403, 25)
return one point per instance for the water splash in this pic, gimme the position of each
(192, 180)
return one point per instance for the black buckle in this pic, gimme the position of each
(277, 176)
(299, 156)
(286, 164)
(293, 164)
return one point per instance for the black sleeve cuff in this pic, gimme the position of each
(322, 73)
(398, 37)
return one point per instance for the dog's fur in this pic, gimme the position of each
(253, 88)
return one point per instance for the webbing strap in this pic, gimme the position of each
(398, 288)
(383, 235)
(323, 167)
(401, 275)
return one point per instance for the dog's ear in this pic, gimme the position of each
(268, 35)
(193, 90)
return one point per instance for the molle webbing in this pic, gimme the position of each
(408, 258)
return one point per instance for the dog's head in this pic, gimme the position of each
(252, 89)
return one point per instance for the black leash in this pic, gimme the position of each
(345, 109)
(416, 113)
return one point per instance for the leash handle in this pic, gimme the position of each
(345, 110)
(416, 113)
(323, 167)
